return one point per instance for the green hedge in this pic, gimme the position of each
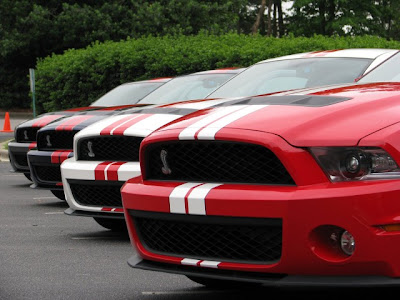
(80, 76)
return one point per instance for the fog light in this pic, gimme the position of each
(347, 243)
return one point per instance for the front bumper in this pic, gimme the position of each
(18, 155)
(45, 168)
(92, 177)
(308, 253)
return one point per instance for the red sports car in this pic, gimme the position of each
(25, 133)
(295, 189)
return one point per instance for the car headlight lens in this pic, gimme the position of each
(355, 163)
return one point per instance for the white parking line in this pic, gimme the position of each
(54, 213)
(40, 198)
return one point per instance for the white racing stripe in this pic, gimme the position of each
(177, 197)
(190, 262)
(208, 133)
(210, 264)
(195, 193)
(95, 128)
(196, 199)
(189, 132)
(148, 125)
(127, 121)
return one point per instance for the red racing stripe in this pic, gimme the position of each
(55, 156)
(120, 210)
(99, 170)
(45, 120)
(69, 124)
(64, 155)
(112, 171)
(32, 145)
(120, 130)
(109, 128)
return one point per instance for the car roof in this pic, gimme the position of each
(371, 53)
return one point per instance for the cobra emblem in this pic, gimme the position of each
(165, 169)
(90, 147)
(48, 141)
(26, 135)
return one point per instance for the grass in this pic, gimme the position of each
(5, 145)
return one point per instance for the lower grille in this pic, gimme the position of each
(21, 160)
(92, 193)
(49, 174)
(242, 240)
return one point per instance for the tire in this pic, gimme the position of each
(221, 283)
(59, 194)
(28, 176)
(117, 225)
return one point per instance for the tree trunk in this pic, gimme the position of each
(269, 26)
(280, 18)
(260, 14)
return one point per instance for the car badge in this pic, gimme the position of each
(90, 147)
(165, 169)
(26, 135)
(48, 141)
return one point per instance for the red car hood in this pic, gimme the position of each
(335, 116)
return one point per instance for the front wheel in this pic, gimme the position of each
(112, 224)
(59, 194)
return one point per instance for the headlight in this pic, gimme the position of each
(355, 163)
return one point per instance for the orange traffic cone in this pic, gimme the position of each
(7, 126)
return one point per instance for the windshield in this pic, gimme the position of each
(288, 74)
(126, 94)
(189, 87)
(388, 71)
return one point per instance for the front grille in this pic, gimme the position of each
(110, 148)
(242, 240)
(49, 174)
(56, 140)
(21, 160)
(92, 193)
(26, 135)
(215, 161)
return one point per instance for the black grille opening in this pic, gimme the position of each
(110, 148)
(21, 160)
(92, 193)
(211, 238)
(49, 174)
(26, 135)
(56, 140)
(215, 161)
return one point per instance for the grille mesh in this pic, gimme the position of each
(216, 161)
(21, 160)
(227, 241)
(50, 174)
(59, 140)
(94, 194)
(110, 148)
(26, 135)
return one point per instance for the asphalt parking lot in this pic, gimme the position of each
(45, 254)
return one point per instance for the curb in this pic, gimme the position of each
(3, 153)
